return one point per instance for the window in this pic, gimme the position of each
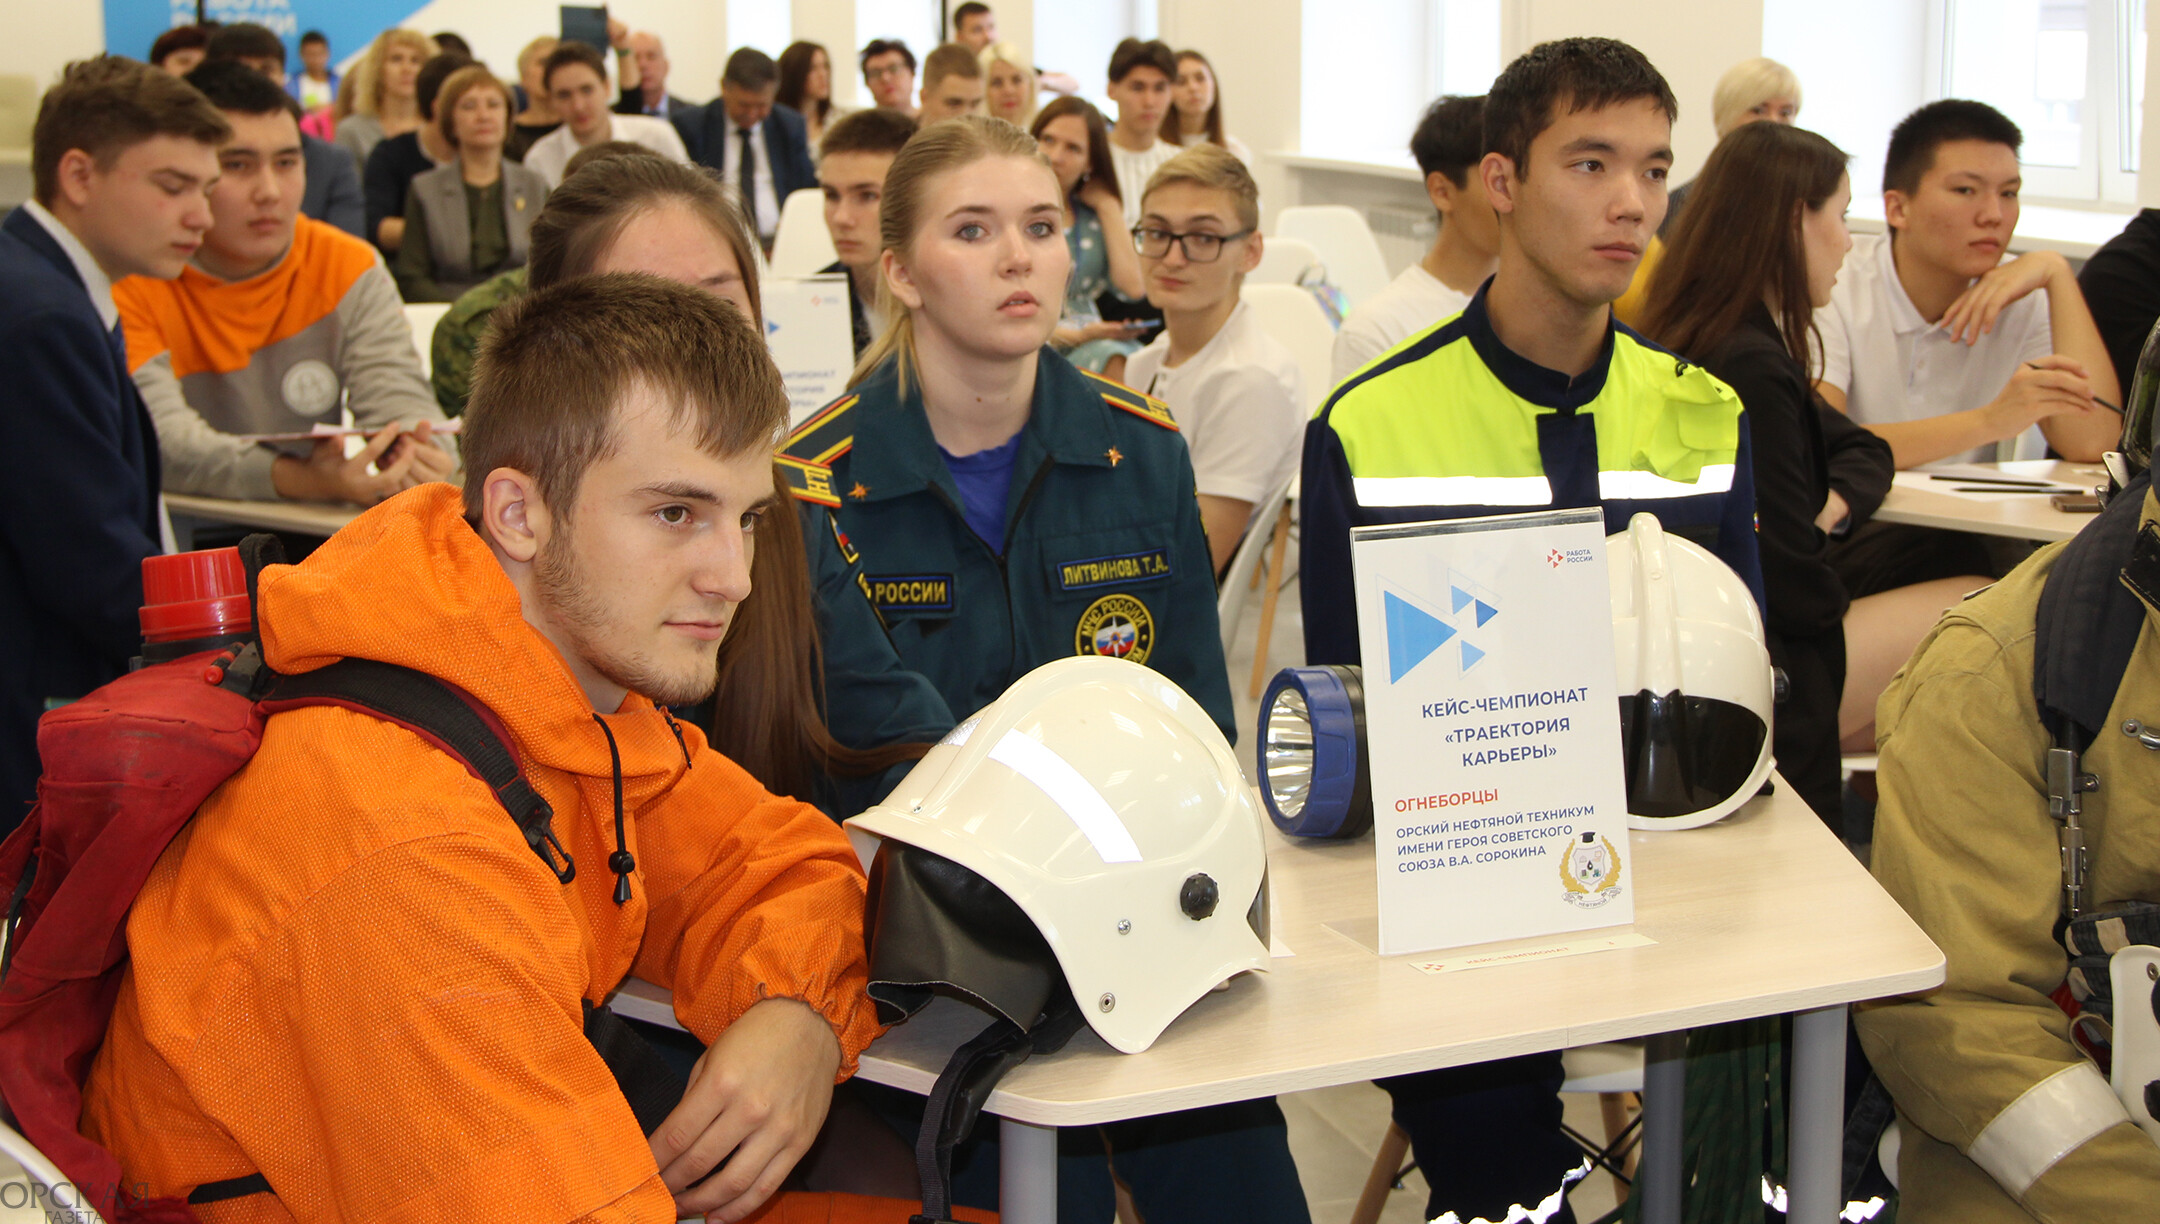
(1077, 38)
(760, 23)
(2069, 73)
(1364, 91)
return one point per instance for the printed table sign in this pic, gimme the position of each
(1492, 729)
(812, 338)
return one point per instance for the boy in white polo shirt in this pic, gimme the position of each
(1448, 144)
(1238, 396)
(1934, 341)
(1944, 347)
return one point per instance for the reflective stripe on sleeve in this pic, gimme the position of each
(2052, 1119)
(1453, 490)
(1649, 486)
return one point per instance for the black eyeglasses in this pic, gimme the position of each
(1199, 248)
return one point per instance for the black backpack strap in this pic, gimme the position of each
(2085, 628)
(2087, 622)
(447, 717)
(965, 1084)
(648, 1081)
(257, 552)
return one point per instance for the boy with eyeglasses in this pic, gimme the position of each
(888, 68)
(1238, 395)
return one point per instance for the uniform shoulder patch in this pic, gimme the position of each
(826, 436)
(1125, 399)
(809, 482)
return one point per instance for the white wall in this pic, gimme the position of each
(60, 33)
(1254, 47)
(1692, 44)
(2149, 137)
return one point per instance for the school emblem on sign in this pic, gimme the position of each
(1115, 627)
(1589, 871)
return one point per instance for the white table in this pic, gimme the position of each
(301, 518)
(1763, 913)
(2023, 517)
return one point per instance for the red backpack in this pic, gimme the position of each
(124, 769)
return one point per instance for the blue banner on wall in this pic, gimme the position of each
(132, 25)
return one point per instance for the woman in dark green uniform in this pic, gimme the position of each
(1007, 510)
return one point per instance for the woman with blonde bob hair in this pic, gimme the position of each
(1010, 510)
(379, 98)
(1753, 89)
(1758, 90)
(1009, 84)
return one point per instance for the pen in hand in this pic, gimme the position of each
(2115, 408)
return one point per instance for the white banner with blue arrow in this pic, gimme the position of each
(1492, 729)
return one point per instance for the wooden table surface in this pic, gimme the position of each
(305, 518)
(1762, 913)
(2024, 517)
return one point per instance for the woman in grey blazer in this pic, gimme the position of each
(468, 219)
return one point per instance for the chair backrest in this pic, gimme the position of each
(802, 244)
(1284, 261)
(1289, 315)
(1346, 244)
(1236, 589)
(45, 1180)
(422, 318)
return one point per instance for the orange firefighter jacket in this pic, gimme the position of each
(350, 974)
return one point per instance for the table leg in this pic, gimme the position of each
(1027, 1173)
(1813, 1186)
(1664, 1091)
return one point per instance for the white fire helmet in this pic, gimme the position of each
(1087, 830)
(1696, 687)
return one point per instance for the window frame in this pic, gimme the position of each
(2098, 180)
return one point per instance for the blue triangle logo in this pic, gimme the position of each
(771, 327)
(1471, 655)
(1485, 612)
(1459, 599)
(1412, 634)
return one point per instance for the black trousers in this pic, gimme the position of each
(1487, 1137)
(1805, 724)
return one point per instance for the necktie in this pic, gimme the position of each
(118, 340)
(746, 179)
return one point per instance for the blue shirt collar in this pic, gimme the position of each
(1527, 379)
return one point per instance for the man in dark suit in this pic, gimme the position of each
(649, 95)
(121, 157)
(333, 191)
(760, 148)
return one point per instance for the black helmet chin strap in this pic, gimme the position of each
(965, 1084)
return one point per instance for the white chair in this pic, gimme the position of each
(802, 244)
(1345, 243)
(1245, 564)
(49, 1185)
(1612, 1069)
(1289, 315)
(1284, 261)
(422, 318)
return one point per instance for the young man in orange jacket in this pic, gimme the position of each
(351, 975)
